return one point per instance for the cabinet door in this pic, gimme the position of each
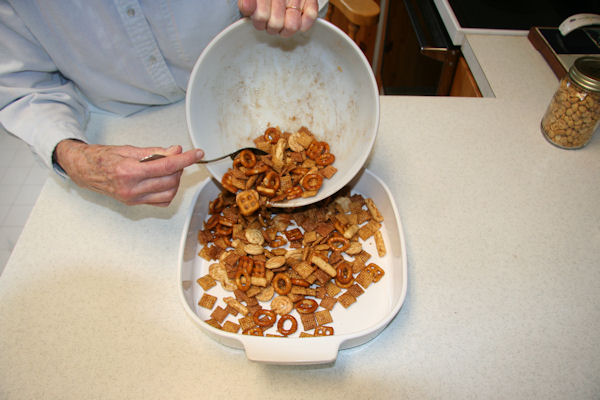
(464, 84)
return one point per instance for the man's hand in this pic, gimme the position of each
(117, 172)
(283, 17)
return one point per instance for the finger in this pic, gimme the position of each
(309, 15)
(277, 17)
(247, 7)
(156, 190)
(261, 14)
(140, 152)
(171, 164)
(293, 17)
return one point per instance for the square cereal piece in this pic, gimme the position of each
(332, 289)
(206, 282)
(232, 327)
(207, 301)
(308, 321)
(368, 229)
(363, 256)
(355, 290)
(364, 278)
(328, 171)
(219, 314)
(328, 302)
(306, 334)
(323, 317)
(304, 269)
(357, 266)
(246, 323)
(346, 299)
(212, 322)
(231, 310)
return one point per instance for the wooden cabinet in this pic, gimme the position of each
(401, 65)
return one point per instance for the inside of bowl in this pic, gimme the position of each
(247, 80)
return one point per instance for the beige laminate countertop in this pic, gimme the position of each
(503, 244)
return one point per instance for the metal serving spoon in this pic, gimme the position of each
(231, 155)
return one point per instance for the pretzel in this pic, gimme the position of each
(247, 201)
(264, 317)
(272, 134)
(255, 331)
(293, 193)
(316, 149)
(306, 306)
(338, 243)
(281, 324)
(245, 263)
(325, 159)
(375, 271)
(282, 283)
(323, 331)
(247, 158)
(227, 182)
(242, 279)
(344, 273)
(312, 181)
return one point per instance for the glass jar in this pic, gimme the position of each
(574, 112)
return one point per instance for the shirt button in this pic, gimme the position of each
(131, 12)
(152, 59)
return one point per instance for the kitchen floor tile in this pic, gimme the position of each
(4, 255)
(21, 180)
(9, 236)
(8, 194)
(28, 195)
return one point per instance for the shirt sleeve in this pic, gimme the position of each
(37, 103)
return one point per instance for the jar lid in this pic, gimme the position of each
(586, 72)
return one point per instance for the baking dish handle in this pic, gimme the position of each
(319, 350)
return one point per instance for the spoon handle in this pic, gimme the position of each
(153, 157)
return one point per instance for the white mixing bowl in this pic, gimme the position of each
(246, 80)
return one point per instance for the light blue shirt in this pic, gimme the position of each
(57, 56)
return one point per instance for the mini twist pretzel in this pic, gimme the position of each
(247, 201)
(325, 159)
(212, 222)
(224, 230)
(317, 148)
(227, 182)
(242, 280)
(271, 180)
(338, 243)
(272, 134)
(344, 273)
(293, 193)
(312, 181)
(259, 269)
(281, 325)
(282, 283)
(256, 331)
(247, 159)
(306, 306)
(264, 317)
(259, 168)
(216, 206)
(245, 263)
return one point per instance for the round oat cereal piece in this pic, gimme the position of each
(282, 305)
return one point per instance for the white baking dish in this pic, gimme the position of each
(359, 323)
